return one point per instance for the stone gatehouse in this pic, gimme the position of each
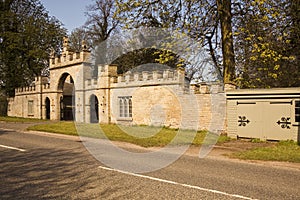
(161, 97)
(156, 97)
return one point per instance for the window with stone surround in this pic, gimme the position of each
(30, 107)
(125, 107)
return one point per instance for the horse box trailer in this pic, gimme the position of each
(267, 114)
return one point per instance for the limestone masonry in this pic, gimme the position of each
(154, 97)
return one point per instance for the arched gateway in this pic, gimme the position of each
(67, 99)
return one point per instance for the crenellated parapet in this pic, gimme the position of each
(25, 90)
(207, 88)
(68, 57)
(166, 77)
(91, 83)
(38, 85)
(46, 86)
(108, 78)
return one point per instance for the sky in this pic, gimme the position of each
(69, 12)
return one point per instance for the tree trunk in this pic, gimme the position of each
(224, 10)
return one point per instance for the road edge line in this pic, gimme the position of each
(175, 183)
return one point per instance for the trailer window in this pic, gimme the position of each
(297, 111)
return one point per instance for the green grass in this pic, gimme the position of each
(288, 151)
(67, 128)
(159, 136)
(256, 140)
(19, 119)
(140, 135)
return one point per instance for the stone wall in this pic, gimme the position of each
(157, 97)
(28, 100)
(165, 98)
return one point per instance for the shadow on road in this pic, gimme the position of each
(45, 174)
(3, 132)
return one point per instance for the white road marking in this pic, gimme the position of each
(176, 183)
(13, 148)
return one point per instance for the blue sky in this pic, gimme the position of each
(69, 12)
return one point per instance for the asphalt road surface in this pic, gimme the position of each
(39, 166)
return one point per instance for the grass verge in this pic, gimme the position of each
(19, 119)
(288, 151)
(140, 135)
(155, 136)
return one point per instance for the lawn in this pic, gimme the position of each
(146, 136)
(140, 135)
(288, 151)
(19, 119)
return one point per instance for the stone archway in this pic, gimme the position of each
(94, 109)
(47, 108)
(67, 98)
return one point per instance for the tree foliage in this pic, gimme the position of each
(78, 36)
(28, 34)
(205, 21)
(101, 22)
(263, 50)
(267, 43)
(143, 56)
(3, 104)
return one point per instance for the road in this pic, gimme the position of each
(39, 166)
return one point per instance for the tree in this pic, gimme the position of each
(3, 104)
(143, 56)
(225, 17)
(101, 22)
(100, 25)
(76, 38)
(294, 48)
(28, 35)
(200, 20)
(266, 40)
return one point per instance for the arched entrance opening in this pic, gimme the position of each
(94, 109)
(47, 108)
(67, 100)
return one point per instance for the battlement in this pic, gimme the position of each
(149, 78)
(34, 87)
(91, 83)
(25, 90)
(46, 86)
(131, 79)
(69, 57)
(207, 88)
